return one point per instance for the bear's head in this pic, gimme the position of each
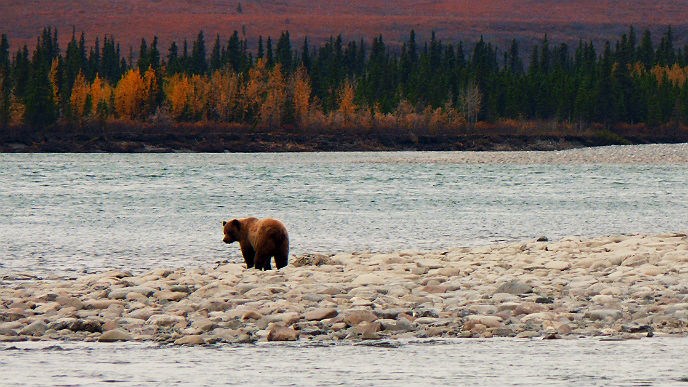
(232, 230)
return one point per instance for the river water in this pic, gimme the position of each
(492, 362)
(68, 214)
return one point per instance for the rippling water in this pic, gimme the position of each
(66, 214)
(496, 362)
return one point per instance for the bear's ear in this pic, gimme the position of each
(224, 222)
(236, 223)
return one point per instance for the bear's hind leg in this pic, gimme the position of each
(262, 261)
(281, 260)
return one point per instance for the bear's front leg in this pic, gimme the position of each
(249, 255)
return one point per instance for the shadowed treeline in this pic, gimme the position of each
(633, 88)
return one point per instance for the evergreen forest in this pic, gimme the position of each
(448, 87)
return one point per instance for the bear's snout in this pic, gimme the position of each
(227, 239)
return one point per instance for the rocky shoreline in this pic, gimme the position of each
(615, 287)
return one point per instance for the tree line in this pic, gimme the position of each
(354, 84)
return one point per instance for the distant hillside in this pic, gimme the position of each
(498, 20)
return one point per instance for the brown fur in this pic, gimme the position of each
(260, 240)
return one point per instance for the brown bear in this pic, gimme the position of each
(260, 240)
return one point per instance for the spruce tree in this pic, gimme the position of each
(284, 54)
(234, 50)
(199, 64)
(144, 57)
(270, 59)
(261, 50)
(94, 62)
(5, 85)
(174, 65)
(39, 101)
(216, 55)
(306, 55)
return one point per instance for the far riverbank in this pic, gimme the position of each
(129, 137)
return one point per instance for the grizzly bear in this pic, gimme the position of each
(260, 240)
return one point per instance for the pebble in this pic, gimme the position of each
(569, 288)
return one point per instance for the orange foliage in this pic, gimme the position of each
(225, 99)
(54, 81)
(188, 96)
(179, 93)
(302, 95)
(347, 107)
(101, 95)
(256, 88)
(676, 74)
(272, 108)
(79, 98)
(130, 95)
(151, 90)
(199, 102)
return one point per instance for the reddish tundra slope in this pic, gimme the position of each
(498, 20)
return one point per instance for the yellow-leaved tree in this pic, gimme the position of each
(272, 107)
(256, 89)
(130, 95)
(302, 96)
(55, 82)
(225, 96)
(179, 92)
(151, 91)
(199, 102)
(101, 95)
(347, 106)
(188, 96)
(78, 101)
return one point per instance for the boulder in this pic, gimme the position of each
(320, 314)
(36, 328)
(355, 317)
(515, 287)
(190, 340)
(115, 335)
(281, 333)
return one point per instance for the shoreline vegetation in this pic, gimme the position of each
(136, 137)
(355, 95)
(615, 288)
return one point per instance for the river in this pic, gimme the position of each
(69, 214)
